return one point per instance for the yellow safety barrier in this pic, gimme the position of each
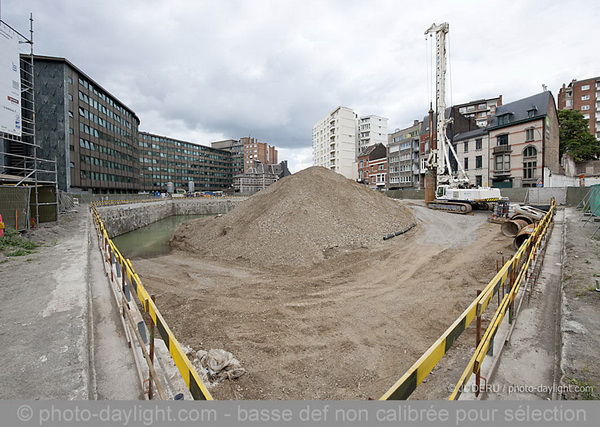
(185, 367)
(407, 384)
(532, 244)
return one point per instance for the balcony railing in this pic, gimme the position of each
(501, 149)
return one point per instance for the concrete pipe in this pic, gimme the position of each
(523, 235)
(512, 228)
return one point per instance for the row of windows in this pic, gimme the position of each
(103, 97)
(171, 177)
(101, 135)
(172, 145)
(94, 161)
(97, 176)
(400, 179)
(84, 143)
(98, 106)
(187, 172)
(192, 160)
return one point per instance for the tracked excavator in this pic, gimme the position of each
(453, 191)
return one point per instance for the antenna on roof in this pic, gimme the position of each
(544, 87)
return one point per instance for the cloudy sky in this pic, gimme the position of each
(203, 70)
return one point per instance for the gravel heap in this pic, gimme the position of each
(298, 221)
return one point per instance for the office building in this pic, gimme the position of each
(163, 160)
(92, 135)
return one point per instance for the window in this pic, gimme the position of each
(568, 103)
(478, 144)
(466, 163)
(585, 87)
(529, 134)
(585, 107)
(504, 119)
(502, 163)
(481, 106)
(478, 162)
(471, 108)
(381, 167)
(529, 169)
(466, 146)
(585, 97)
(586, 116)
(502, 139)
(530, 151)
(478, 180)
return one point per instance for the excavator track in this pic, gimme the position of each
(454, 207)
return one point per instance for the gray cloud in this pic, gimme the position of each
(203, 70)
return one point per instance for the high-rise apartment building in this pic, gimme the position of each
(254, 150)
(92, 135)
(372, 130)
(334, 142)
(583, 95)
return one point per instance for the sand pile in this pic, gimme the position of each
(298, 221)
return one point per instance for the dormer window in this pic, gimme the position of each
(531, 112)
(504, 119)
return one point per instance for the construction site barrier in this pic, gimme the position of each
(513, 272)
(131, 281)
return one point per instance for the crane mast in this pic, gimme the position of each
(448, 194)
(439, 156)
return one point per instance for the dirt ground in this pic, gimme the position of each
(581, 318)
(345, 328)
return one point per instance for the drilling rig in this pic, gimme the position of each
(451, 189)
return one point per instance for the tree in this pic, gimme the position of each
(575, 137)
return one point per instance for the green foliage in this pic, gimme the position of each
(587, 389)
(575, 137)
(13, 239)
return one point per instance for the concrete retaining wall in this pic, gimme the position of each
(121, 219)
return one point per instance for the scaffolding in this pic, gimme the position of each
(20, 166)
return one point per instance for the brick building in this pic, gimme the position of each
(584, 96)
(372, 166)
(257, 151)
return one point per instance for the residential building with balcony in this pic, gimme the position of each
(372, 167)
(524, 140)
(584, 96)
(372, 130)
(334, 142)
(403, 158)
(480, 110)
(163, 159)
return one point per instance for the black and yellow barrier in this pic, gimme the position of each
(404, 387)
(128, 275)
(528, 251)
